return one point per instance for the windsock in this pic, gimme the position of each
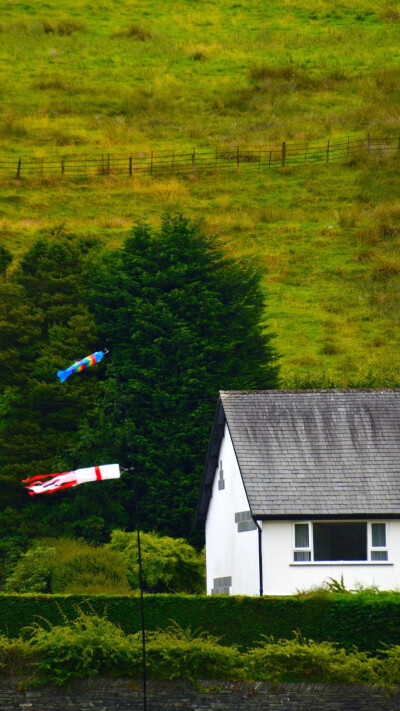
(80, 365)
(55, 482)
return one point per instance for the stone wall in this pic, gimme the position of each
(127, 695)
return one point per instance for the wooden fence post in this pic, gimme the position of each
(108, 164)
(216, 158)
(194, 160)
(283, 161)
(368, 143)
(172, 161)
(19, 168)
(305, 153)
(327, 153)
(270, 156)
(259, 159)
(62, 167)
(151, 163)
(130, 165)
(237, 157)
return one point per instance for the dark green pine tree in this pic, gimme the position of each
(182, 321)
(45, 326)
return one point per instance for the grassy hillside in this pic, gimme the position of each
(82, 78)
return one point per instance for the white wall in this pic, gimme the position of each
(283, 577)
(229, 553)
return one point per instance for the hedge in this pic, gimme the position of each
(366, 622)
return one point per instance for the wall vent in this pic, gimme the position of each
(244, 521)
(222, 585)
(221, 480)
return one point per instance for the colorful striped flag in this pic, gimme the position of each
(80, 365)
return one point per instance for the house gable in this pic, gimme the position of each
(232, 537)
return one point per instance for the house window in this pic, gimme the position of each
(302, 548)
(339, 541)
(378, 541)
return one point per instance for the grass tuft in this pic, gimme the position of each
(390, 13)
(134, 32)
(68, 26)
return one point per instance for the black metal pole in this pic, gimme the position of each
(135, 497)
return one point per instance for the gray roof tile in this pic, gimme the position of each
(317, 452)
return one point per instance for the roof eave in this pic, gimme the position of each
(217, 434)
(325, 516)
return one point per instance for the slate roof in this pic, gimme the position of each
(312, 453)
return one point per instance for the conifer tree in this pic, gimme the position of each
(182, 321)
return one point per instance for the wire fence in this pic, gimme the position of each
(205, 160)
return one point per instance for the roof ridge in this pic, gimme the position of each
(311, 390)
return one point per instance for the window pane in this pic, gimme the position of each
(379, 555)
(301, 539)
(301, 555)
(378, 534)
(340, 541)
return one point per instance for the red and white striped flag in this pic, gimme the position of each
(68, 479)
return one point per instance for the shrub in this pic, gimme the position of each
(169, 564)
(62, 565)
(303, 660)
(176, 653)
(92, 646)
(88, 646)
(391, 665)
(15, 655)
(32, 571)
(81, 568)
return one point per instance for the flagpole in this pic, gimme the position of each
(136, 504)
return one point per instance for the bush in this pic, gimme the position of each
(32, 571)
(303, 660)
(391, 665)
(88, 646)
(93, 646)
(15, 656)
(81, 568)
(175, 653)
(62, 565)
(169, 564)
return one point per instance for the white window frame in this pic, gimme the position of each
(380, 549)
(370, 547)
(309, 548)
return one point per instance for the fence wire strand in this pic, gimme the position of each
(200, 160)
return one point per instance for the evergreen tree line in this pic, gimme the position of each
(180, 319)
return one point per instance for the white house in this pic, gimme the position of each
(302, 486)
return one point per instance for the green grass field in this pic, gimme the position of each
(81, 78)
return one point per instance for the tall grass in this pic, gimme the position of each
(116, 78)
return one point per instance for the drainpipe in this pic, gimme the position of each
(260, 566)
